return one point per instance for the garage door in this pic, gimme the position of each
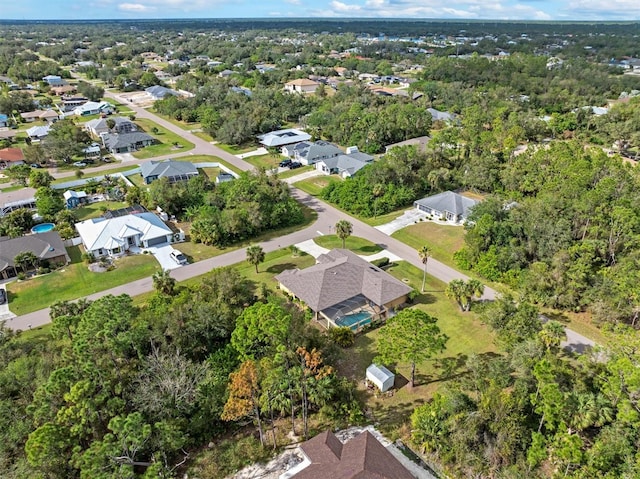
(157, 241)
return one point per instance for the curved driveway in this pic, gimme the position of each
(327, 217)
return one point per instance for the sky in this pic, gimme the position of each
(413, 9)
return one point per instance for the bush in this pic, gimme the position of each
(22, 276)
(380, 263)
(413, 294)
(88, 258)
(461, 259)
(342, 336)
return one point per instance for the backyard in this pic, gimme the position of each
(76, 281)
(93, 210)
(467, 336)
(167, 139)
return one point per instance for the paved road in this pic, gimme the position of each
(327, 218)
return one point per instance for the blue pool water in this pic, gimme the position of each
(43, 228)
(354, 320)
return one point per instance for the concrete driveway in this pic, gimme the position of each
(4, 308)
(161, 253)
(408, 218)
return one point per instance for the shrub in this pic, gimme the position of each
(88, 258)
(380, 263)
(22, 276)
(342, 336)
(461, 258)
(411, 297)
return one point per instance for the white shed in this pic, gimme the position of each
(381, 377)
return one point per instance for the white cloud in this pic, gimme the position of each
(598, 9)
(134, 7)
(294, 2)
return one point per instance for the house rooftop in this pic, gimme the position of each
(11, 154)
(283, 137)
(43, 245)
(362, 457)
(167, 168)
(448, 201)
(121, 140)
(338, 276)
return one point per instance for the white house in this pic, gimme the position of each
(38, 132)
(94, 108)
(280, 138)
(301, 85)
(115, 236)
(447, 205)
(346, 164)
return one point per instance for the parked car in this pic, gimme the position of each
(178, 257)
(3, 296)
(285, 163)
(294, 164)
(35, 165)
(80, 164)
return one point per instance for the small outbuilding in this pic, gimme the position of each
(380, 377)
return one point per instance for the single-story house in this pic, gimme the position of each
(63, 90)
(224, 177)
(8, 134)
(46, 246)
(50, 116)
(345, 290)
(54, 80)
(4, 120)
(362, 457)
(115, 236)
(226, 73)
(157, 92)
(126, 142)
(73, 199)
(448, 205)
(38, 132)
(280, 138)
(27, 203)
(70, 103)
(11, 157)
(437, 115)
(92, 151)
(420, 143)
(99, 126)
(243, 90)
(301, 85)
(174, 171)
(309, 153)
(346, 164)
(94, 108)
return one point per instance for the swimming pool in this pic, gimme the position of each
(354, 320)
(43, 228)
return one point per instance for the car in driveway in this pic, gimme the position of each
(285, 163)
(3, 296)
(178, 257)
(79, 164)
(294, 164)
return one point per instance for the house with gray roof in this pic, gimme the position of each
(345, 164)
(345, 290)
(157, 92)
(46, 246)
(310, 152)
(448, 205)
(174, 171)
(280, 138)
(38, 132)
(437, 115)
(126, 142)
(99, 126)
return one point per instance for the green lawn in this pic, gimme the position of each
(180, 124)
(76, 281)
(315, 185)
(202, 135)
(111, 171)
(9, 189)
(211, 173)
(237, 149)
(443, 240)
(382, 219)
(275, 263)
(295, 172)
(208, 158)
(267, 161)
(354, 243)
(166, 138)
(466, 336)
(93, 210)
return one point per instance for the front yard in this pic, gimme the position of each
(167, 139)
(76, 281)
(354, 243)
(315, 185)
(443, 240)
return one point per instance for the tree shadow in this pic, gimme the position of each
(279, 268)
(424, 298)
(371, 249)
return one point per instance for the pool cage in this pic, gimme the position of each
(354, 313)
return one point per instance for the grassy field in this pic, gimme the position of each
(211, 173)
(314, 185)
(354, 243)
(443, 240)
(237, 149)
(382, 219)
(180, 124)
(208, 158)
(166, 138)
(467, 336)
(267, 161)
(93, 210)
(75, 281)
(275, 263)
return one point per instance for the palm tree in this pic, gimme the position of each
(456, 291)
(343, 230)
(163, 283)
(463, 292)
(425, 254)
(474, 289)
(378, 191)
(552, 334)
(26, 259)
(255, 255)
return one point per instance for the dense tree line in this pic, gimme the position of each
(122, 391)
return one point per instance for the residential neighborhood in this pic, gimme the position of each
(318, 247)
